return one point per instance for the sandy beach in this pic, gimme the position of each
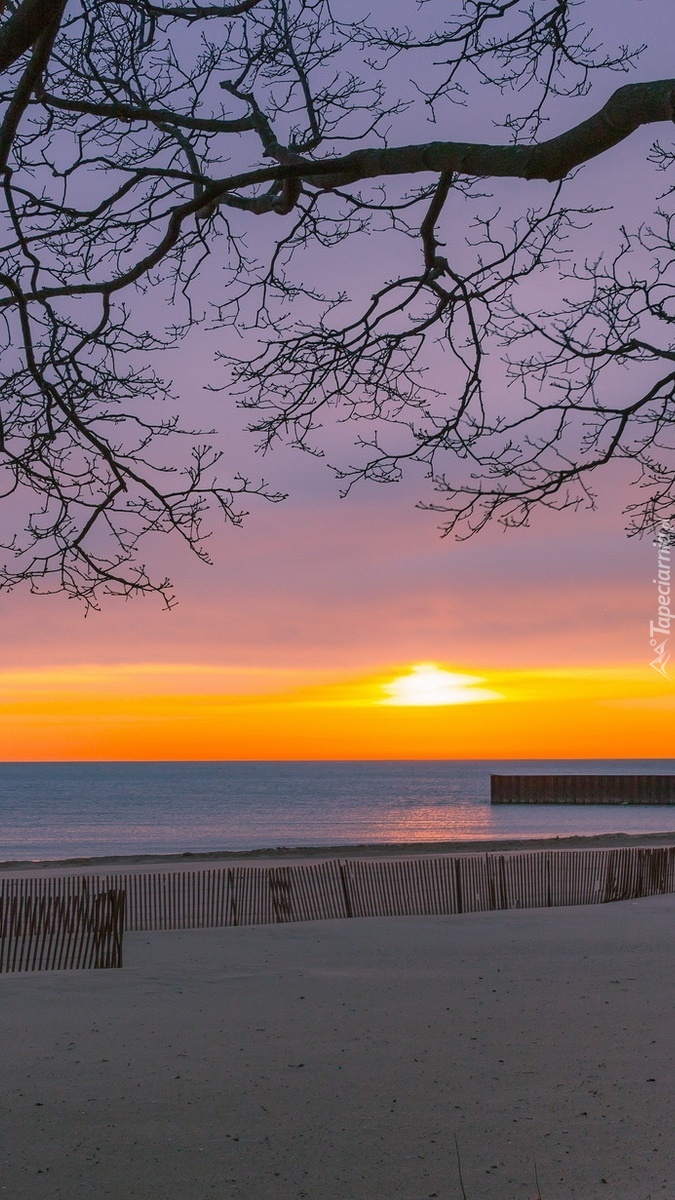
(337, 1060)
(298, 854)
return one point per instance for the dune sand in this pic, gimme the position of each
(338, 1060)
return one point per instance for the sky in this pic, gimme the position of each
(290, 645)
(348, 629)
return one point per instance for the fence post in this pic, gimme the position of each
(345, 889)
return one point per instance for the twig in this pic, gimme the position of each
(459, 1169)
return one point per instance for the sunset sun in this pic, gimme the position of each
(427, 684)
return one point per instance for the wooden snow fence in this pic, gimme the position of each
(46, 926)
(433, 885)
(484, 883)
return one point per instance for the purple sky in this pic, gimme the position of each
(347, 586)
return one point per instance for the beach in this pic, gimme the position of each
(284, 855)
(340, 1060)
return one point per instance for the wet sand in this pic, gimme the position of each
(293, 854)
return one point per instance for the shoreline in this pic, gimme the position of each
(290, 854)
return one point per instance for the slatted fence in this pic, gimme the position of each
(334, 888)
(51, 929)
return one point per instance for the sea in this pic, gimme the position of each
(61, 811)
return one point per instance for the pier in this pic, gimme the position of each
(582, 789)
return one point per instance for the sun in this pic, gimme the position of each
(427, 684)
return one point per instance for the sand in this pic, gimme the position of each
(298, 854)
(338, 1060)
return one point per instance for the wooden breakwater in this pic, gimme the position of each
(582, 789)
(46, 928)
(432, 885)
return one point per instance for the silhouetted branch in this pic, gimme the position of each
(25, 26)
(140, 209)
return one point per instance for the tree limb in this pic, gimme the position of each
(627, 109)
(24, 27)
(199, 12)
(119, 111)
(127, 176)
(28, 84)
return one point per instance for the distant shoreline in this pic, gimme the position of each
(200, 858)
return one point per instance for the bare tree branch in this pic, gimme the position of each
(140, 211)
(29, 22)
(630, 107)
(28, 84)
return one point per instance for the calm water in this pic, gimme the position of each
(73, 810)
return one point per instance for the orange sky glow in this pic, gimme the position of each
(324, 646)
(423, 710)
